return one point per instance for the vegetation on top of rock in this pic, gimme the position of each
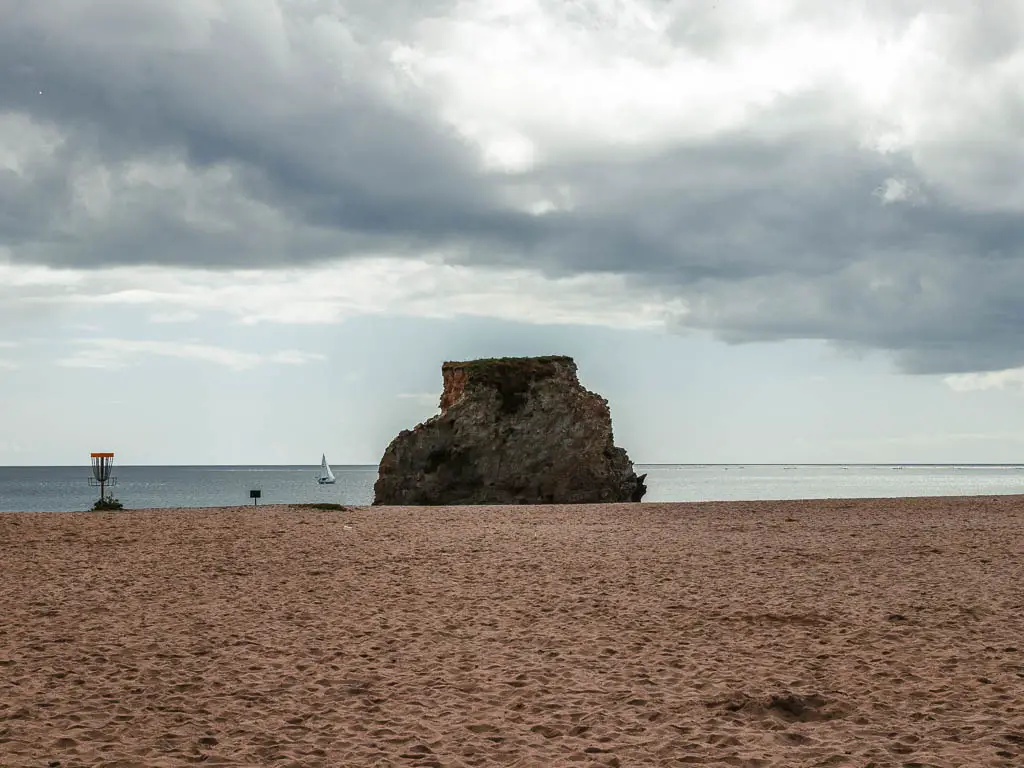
(530, 363)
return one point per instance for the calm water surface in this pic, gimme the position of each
(56, 489)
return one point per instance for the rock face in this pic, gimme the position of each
(510, 431)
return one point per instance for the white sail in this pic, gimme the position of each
(326, 476)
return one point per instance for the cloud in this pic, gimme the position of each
(295, 357)
(973, 382)
(790, 170)
(329, 294)
(119, 353)
(896, 191)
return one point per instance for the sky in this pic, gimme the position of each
(250, 231)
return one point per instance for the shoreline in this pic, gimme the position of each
(624, 504)
(767, 633)
(306, 506)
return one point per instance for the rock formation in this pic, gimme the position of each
(510, 431)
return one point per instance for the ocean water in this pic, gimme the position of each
(56, 489)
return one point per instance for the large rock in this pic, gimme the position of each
(510, 431)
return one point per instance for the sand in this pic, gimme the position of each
(821, 633)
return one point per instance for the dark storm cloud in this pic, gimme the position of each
(326, 149)
(298, 141)
(808, 249)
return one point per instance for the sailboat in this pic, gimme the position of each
(326, 476)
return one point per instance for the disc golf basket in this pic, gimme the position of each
(102, 465)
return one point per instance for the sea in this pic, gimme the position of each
(63, 489)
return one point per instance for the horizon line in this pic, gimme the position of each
(635, 464)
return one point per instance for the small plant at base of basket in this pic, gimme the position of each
(106, 504)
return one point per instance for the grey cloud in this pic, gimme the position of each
(323, 147)
(770, 233)
(790, 239)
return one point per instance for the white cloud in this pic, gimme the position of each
(895, 190)
(119, 353)
(607, 72)
(510, 154)
(372, 286)
(1011, 378)
(295, 357)
(591, 76)
(16, 276)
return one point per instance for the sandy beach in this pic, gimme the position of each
(817, 633)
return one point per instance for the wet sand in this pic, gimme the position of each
(819, 633)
